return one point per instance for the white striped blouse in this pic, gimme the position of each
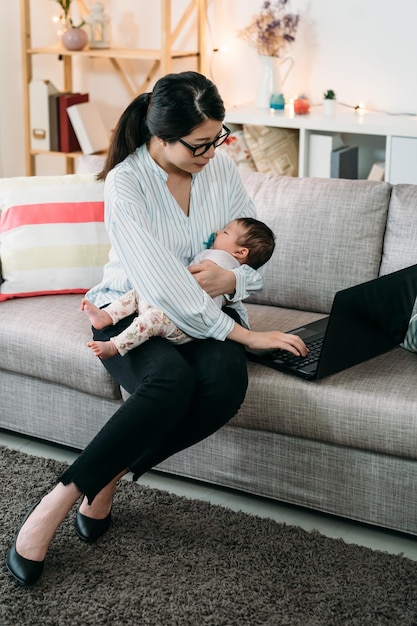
(153, 241)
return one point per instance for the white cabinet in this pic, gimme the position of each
(379, 137)
(403, 163)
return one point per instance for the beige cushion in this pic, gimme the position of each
(56, 350)
(328, 236)
(358, 407)
(400, 245)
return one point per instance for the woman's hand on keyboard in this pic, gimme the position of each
(267, 340)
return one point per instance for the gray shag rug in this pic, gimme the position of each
(170, 560)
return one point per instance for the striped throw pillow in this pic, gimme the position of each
(52, 235)
(410, 340)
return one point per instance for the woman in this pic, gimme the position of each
(165, 193)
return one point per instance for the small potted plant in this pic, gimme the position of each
(329, 102)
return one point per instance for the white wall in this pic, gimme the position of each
(363, 49)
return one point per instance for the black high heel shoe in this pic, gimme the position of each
(24, 571)
(89, 529)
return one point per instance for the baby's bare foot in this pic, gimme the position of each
(98, 317)
(103, 349)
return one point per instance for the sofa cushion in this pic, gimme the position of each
(329, 236)
(371, 406)
(400, 244)
(46, 337)
(52, 236)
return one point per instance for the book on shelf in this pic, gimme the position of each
(68, 141)
(320, 148)
(377, 171)
(89, 127)
(40, 92)
(54, 120)
(344, 162)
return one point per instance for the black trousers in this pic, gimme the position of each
(179, 396)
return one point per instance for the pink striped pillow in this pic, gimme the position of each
(52, 235)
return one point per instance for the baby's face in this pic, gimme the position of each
(227, 238)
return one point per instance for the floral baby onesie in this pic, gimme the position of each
(150, 322)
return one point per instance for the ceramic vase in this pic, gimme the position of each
(329, 107)
(273, 77)
(74, 39)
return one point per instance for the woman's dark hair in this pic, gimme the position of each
(259, 239)
(178, 104)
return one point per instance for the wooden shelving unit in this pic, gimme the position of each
(162, 59)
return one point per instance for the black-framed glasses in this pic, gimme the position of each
(202, 149)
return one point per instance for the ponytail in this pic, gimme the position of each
(130, 133)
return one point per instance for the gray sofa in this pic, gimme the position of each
(345, 445)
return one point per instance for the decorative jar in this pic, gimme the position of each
(301, 105)
(74, 38)
(99, 27)
(277, 102)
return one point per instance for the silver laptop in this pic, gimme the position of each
(365, 321)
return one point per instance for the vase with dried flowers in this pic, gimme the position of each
(271, 32)
(73, 36)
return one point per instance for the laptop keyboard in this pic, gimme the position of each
(290, 359)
